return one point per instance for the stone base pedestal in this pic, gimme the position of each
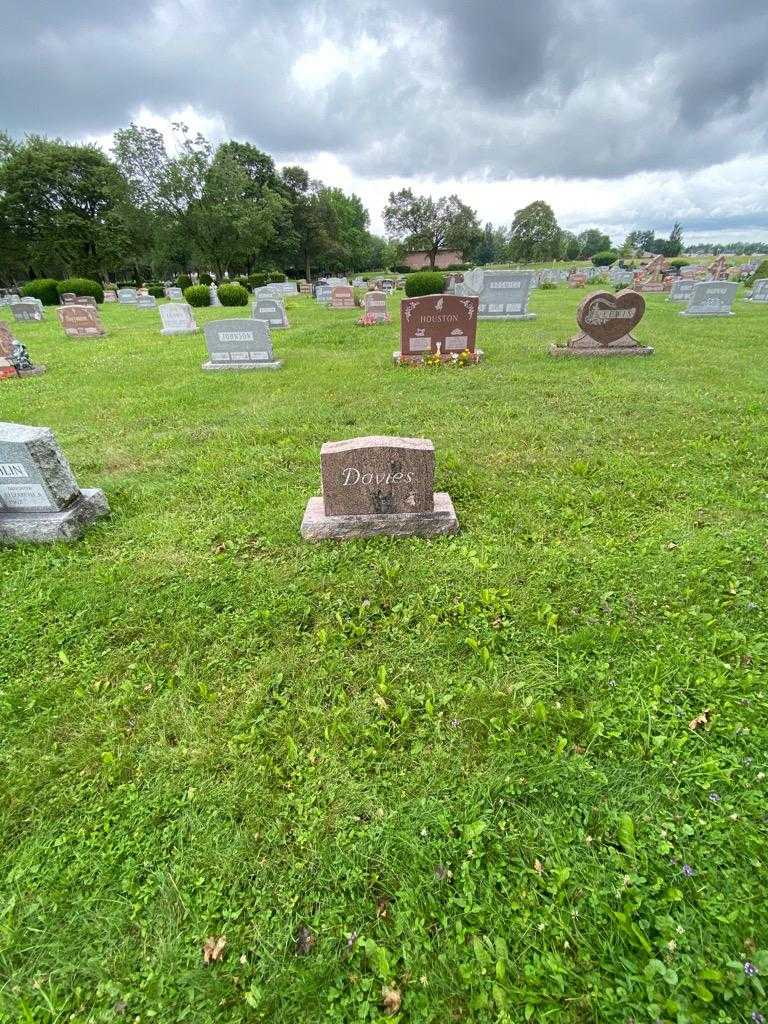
(724, 313)
(48, 527)
(167, 330)
(416, 360)
(583, 345)
(217, 367)
(507, 316)
(316, 525)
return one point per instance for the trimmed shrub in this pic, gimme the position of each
(275, 277)
(82, 286)
(183, 281)
(233, 295)
(156, 290)
(257, 280)
(548, 286)
(605, 258)
(44, 288)
(204, 279)
(402, 268)
(458, 266)
(425, 282)
(197, 295)
(762, 271)
(676, 264)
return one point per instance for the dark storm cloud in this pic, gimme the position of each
(483, 88)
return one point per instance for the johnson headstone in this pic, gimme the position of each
(239, 344)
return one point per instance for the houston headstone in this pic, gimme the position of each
(711, 298)
(177, 318)
(270, 310)
(504, 295)
(438, 325)
(40, 500)
(239, 344)
(80, 321)
(378, 486)
(607, 321)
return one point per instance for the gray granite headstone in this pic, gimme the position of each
(68, 299)
(31, 301)
(375, 305)
(681, 290)
(271, 310)
(127, 296)
(177, 318)
(39, 497)
(174, 293)
(378, 486)
(25, 311)
(323, 293)
(146, 302)
(711, 298)
(239, 344)
(504, 295)
(215, 300)
(759, 290)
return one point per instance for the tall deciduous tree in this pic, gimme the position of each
(534, 234)
(592, 241)
(421, 222)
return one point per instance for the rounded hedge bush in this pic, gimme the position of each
(676, 264)
(204, 279)
(157, 291)
(183, 281)
(275, 277)
(197, 295)
(44, 288)
(762, 271)
(425, 282)
(82, 286)
(605, 258)
(233, 295)
(257, 280)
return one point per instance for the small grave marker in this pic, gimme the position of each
(127, 296)
(271, 310)
(80, 321)
(342, 297)
(26, 311)
(375, 305)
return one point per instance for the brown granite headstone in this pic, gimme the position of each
(442, 325)
(342, 297)
(577, 280)
(369, 475)
(606, 321)
(80, 321)
(87, 300)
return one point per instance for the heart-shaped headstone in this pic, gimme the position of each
(607, 317)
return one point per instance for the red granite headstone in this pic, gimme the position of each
(342, 297)
(80, 321)
(442, 325)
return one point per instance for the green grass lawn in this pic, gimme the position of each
(460, 769)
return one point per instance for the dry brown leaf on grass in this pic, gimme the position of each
(390, 1000)
(213, 949)
(538, 867)
(702, 719)
(305, 940)
(382, 907)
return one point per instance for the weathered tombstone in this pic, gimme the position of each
(606, 321)
(323, 293)
(239, 344)
(87, 300)
(177, 318)
(711, 298)
(438, 325)
(342, 297)
(577, 279)
(37, 303)
(681, 290)
(358, 282)
(39, 497)
(271, 310)
(215, 300)
(25, 311)
(68, 299)
(759, 290)
(174, 293)
(388, 286)
(504, 295)
(80, 321)
(146, 302)
(14, 358)
(378, 486)
(127, 296)
(375, 305)
(110, 295)
(305, 288)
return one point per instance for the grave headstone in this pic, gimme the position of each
(110, 295)
(378, 486)
(759, 290)
(177, 318)
(271, 310)
(127, 296)
(438, 325)
(358, 282)
(305, 288)
(37, 303)
(87, 300)
(387, 286)
(681, 290)
(215, 300)
(146, 302)
(68, 299)
(323, 293)
(504, 295)
(239, 344)
(174, 293)
(80, 321)
(40, 500)
(342, 297)
(375, 305)
(25, 311)
(14, 358)
(606, 321)
(577, 279)
(711, 298)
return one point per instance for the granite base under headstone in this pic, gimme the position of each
(40, 501)
(378, 487)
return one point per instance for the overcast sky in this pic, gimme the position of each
(619, 115)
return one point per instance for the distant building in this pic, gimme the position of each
(420, 259)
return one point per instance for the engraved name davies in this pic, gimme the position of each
(354, 476)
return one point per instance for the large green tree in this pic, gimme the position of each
(534, 234)
(421, 222)
(591, 241)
